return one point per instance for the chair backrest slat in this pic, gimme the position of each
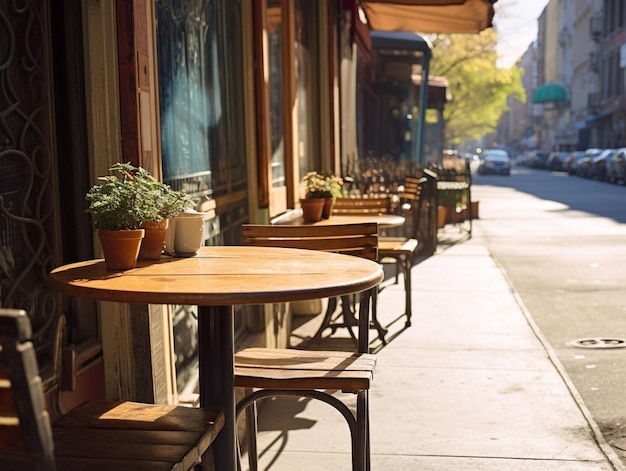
(361, 205)
(412, 189)
(409, 204)
(24, 420)
(359, 240)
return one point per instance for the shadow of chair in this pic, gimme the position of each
(95, 436)
(265, 372)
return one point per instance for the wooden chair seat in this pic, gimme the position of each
(101, 435)
(391, 245)
(295, 369)
(136, 432)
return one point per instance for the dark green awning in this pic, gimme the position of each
(399, 41)
(550, 93)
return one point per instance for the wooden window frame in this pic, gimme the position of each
(277, 199)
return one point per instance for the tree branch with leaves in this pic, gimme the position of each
(479, 89)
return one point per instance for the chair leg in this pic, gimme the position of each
(377, 325)
(330, 310)
(357, 423)
(407, 263)
(347, 315)
(207, 463)
(251, 431)
(361, 441)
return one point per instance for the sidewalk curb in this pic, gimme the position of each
(607, 449)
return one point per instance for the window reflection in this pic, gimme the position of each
(277, 120)
(200, 83)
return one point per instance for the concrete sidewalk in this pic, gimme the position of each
(469, 386)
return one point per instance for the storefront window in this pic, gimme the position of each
(275, 41)
(200, 69)
(307, 88)
(200, 87)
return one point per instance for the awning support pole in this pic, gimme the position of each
(423, 105)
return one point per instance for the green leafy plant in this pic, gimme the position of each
(130, 195)
(318, 186)
(171, 202)
(334, 185)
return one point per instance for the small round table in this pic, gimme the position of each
(383, 220)
(217, 279)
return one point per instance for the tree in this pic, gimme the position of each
(479, 89)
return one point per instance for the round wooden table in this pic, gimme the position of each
(217, 279)
(383, 220)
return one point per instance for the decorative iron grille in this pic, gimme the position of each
(28, 217)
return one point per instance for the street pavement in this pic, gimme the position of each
(561, 241)
(471, 385)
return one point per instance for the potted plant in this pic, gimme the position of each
(117, 210)
(162, 203)
(124, 201)
(315, 193)
(333, 185)
(320, 193)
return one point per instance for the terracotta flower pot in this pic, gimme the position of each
(152, 243)
(312, 209)
(328, 207)
(441, 216)
(474, 209)
(121, 248)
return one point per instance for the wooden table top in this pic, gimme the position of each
(383, 220)
(220, 276)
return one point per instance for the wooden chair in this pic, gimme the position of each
(360, 240)
(402, 250)
(409, 204)
(96, 436)
(399, 250)
(360, 205)
(280, 372)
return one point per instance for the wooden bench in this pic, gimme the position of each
(96, 436)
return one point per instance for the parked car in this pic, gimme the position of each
(585, 164)
(616, 171)
(537, 159)
(556, 160)
(571, 163)
(600, 163)
(520, 159)
(495, 161)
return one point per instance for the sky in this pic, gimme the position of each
(516, 24)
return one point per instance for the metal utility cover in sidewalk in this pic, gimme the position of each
(598, 342)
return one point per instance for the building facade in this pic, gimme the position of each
(581, 47)
(232, 101)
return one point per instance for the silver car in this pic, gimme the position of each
(495, 161)
(616, 169)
